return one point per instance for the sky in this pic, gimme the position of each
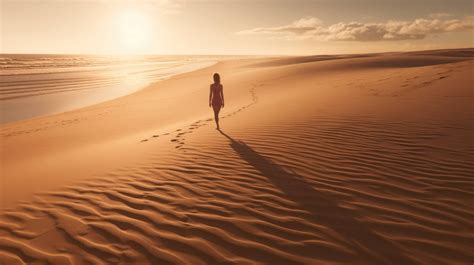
(227, 27)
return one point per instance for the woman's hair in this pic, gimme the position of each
(217, 78)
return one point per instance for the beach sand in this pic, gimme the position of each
(320, 160)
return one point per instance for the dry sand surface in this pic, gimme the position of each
(321, 160)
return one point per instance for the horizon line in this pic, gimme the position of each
(266, 55)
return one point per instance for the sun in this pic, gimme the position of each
(134, 31)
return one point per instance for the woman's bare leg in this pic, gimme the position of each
(216, 115)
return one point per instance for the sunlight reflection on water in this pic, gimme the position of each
(37, 85)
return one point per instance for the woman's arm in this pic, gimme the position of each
(210, 95)
(222, 95)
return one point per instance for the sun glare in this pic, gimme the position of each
(134, 30)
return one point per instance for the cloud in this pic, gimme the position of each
(440, 15)
(300, 26)
(313, 28)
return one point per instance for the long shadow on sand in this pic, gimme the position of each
(369, 246)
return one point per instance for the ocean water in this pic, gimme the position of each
(37, 85)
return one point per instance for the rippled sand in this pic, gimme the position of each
(352, 160)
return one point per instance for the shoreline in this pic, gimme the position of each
(73, 95)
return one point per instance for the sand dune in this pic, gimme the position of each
(406, 59)
(348, 161)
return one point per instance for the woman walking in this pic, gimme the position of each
(216, 97)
